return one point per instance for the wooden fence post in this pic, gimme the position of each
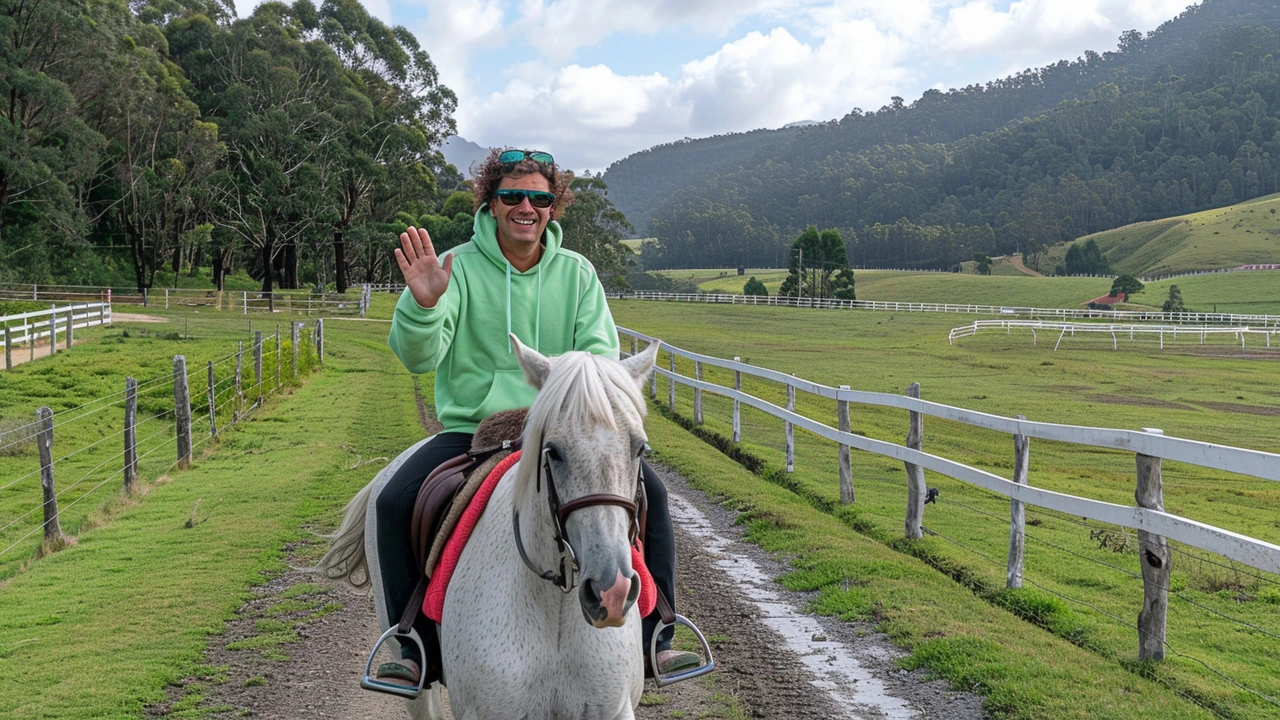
(1153, 552)
(52, 529)
(671, 382)
(697, 394)
(166, 298)
(737, 405)
(257, 363)
(213, 409)
(915, 474)
(846, 465)
(53, 330)
(246, 302)
(294, 337)
(8, 347)
(130, 434)
(71, 324)
(278, 358)
(791, 429)
(1017, 513)
(320, 341)
(182, 410)
(235, 416)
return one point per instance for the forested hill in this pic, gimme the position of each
(1181, 119)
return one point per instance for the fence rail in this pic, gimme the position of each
(1149, 446)
(30, 327)
(241, 301)
(1202, 332)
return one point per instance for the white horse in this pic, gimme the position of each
(514, 643)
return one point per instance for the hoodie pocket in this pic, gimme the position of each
(509, 390)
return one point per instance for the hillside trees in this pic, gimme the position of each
(819, 266)
(593, 226)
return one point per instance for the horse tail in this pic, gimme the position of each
(346, 558)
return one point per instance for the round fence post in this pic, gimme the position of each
(8, 347)
(53, 330)
(1017, 513)
(653, 381)
(182, 410)
(235, 415)
(791, 429)
(52, 528)
(1153, 552)
(257, 363)
(278, 359)
(915, 474)
(320, 341)
(71, 324)
(130, 434)
(697, 394)
(846, 465)
(737, 405)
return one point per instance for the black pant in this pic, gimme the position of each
(395, 551)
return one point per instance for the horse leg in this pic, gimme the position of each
(427, 706)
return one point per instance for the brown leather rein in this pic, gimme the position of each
(566, 577)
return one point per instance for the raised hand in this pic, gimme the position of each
(426, 277)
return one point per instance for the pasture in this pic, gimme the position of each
(1079, 575)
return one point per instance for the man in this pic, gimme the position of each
(455, 318)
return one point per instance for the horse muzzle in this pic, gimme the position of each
(608, 607)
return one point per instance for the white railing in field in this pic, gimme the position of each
(974, 309)
(1202, 332)
(31, 327)
(241, 301)
(1150, 446)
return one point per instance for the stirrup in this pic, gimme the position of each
(682, 675)
(369, 682)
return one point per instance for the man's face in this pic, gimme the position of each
(521, 226)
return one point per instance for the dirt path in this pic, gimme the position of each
(259, 668)
(1016, 261)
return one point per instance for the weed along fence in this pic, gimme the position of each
(51, 326)
(147, 428)
(1192, 332)
(1159, 533)
(237, 301)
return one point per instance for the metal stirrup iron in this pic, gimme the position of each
(402, 630)
(670, 619)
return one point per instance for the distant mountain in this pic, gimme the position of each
(462, 153)
(1181, 119)
(801, 123)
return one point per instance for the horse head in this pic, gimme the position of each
(583, 442)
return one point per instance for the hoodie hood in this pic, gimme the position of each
(485, 237)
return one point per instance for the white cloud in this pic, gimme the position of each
(456, 28)
(1039, 31)
(590, 116)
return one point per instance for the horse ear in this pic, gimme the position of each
(641, 364)
(536, 366)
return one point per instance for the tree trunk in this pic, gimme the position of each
(340, 260)
(291, 265)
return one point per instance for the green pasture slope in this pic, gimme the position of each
(100, 629)
(1071, 654)
(1243, 234)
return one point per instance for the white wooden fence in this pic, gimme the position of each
(31, 327)
(1202, 332)
(239, 301)
(1150, 446)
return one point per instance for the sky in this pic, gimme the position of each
(592, 81)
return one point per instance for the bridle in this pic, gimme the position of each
(566, 577)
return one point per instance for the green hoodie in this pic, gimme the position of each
(555, 306)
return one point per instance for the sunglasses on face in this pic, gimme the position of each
(511, 157)
(536, 198)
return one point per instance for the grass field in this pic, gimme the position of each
(1242, 234)
(1080, 574)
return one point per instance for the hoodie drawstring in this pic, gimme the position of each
(510, 348)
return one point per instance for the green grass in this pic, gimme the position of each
(1203, 394)
(144, 590)
(1246, 233)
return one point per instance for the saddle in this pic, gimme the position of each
(441, 500)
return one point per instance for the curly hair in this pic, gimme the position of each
(489, 174)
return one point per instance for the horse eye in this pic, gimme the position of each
(553, 454)
(644, 450)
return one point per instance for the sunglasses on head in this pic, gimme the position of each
(536, 198)
(511, 157)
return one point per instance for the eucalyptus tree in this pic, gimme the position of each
(394, 113)
(47, 152)
(595, 228)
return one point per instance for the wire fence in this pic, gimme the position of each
(1089, 573)
(77, 455)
